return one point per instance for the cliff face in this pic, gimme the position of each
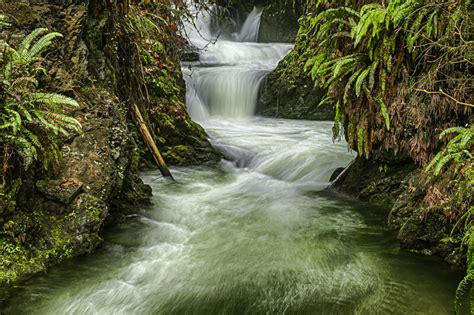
(49, 216)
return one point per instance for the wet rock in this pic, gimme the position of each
(336, 173)
(86, 215)
(378, 181)
(288, 92)
(278, 24)
(61, 190)
(423, 209)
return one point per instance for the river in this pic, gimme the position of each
(256, 234)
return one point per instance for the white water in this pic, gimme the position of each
(252, 236)
(226, 80)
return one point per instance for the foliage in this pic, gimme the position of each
(398, 72)
(3, 21)
(395, 71)
(31, 120)
(459, 149)
(458, 152)
(465, 286)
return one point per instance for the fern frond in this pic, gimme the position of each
(441, 163)
(52, 98)
(43, 43)
(451, 130)
(26, 43)
(383, 111)
(349, 83)
(360, 140)
(360, 81)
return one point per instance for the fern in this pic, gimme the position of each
(3, 21)
(465, 286)
(31, 119)
(360, 140)
(360, 81)
(458, 149)
(383, 112)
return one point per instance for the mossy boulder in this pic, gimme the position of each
(288, 92)
(278, 24)
(63, 191)
(34, 240)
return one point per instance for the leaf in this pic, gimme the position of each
(383, 111)
(360, 140)
(348, 86)
(52, 98)
(360, 81)
(26, 43)
(42, 44)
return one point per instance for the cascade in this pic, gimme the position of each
(226, 80)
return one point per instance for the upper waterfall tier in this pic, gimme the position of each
(227, 79)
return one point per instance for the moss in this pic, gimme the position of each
(178, 155)
(32, 241)
(288, 92)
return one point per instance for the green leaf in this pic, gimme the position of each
(383, 111)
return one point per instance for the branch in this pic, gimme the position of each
(445, 94)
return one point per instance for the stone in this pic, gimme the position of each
(61, 190)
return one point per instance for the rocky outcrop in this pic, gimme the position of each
(288, 92)
(278, 24)
(379, 181)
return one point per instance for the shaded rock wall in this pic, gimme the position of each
(278, 24)
(288, 91)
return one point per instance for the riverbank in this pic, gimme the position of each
(50, 216)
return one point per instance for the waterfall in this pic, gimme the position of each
(249, 31)
(226, 80)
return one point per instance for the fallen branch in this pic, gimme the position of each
(160, 162)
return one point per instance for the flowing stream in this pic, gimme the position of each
(256, 234)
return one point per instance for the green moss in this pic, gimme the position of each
(32, 241)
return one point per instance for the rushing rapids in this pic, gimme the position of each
(254, 235)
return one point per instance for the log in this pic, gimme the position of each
(160, 162)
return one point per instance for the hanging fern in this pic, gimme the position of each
(31, 120)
